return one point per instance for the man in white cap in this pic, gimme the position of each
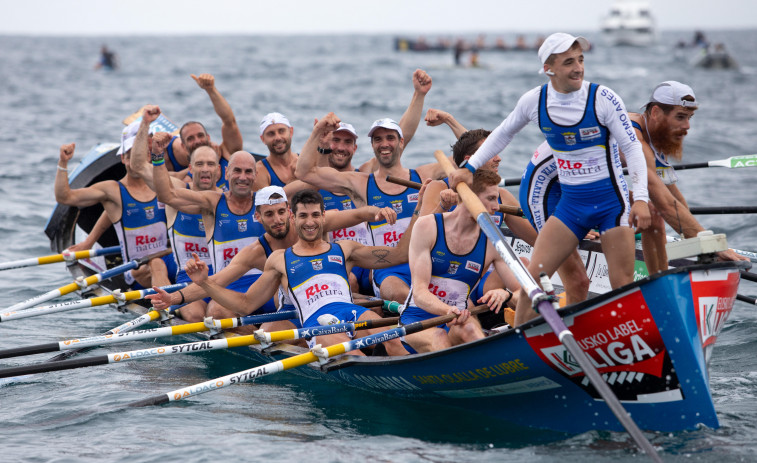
(388, 143)
(578, 119)
(133, 209)
(661, 128)
(272, 212)
(278, 167)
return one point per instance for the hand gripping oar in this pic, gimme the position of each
(318, 353)
(503, 208)
(116, 297)
(66, 256)
(723, 210)
(81, 283)
(541, 303)
(734, 162)
(198, 346)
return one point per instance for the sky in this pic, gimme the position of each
(212, 17)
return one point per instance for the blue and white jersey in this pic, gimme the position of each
(454, 276)
(187, 235)
(382, 233)
(275, 180)
(142, 229)
(539, 189)
(359, 232)
(232, 232)
(316, 281)
(172, 157)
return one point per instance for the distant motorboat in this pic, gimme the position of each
(630, 23)
(715, 58)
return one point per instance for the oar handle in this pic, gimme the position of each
(503, 208)
(749, 276)
(469, 198)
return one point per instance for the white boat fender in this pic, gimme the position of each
(703, 246)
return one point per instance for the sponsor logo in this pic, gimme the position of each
(141, 240)
(195, 247)
(589, 133)
(336, 259)
(229, 253)
(201, 225)
(570, 138)
(344, 233)
(317, 264)
(242, 225)
(397, 206)
(453, 267)
(412, 198)
(150, 213)
(473, 266)
(391, 238)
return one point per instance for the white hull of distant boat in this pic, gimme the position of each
(629, 23)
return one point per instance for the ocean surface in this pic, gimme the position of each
(51, 95)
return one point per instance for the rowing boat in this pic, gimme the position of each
(651, 340)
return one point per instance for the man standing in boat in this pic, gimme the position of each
(186, 231)
(450, 255)
(577, 118)
(388, 143)
(133, 209)
(661, 129)
(314, 274)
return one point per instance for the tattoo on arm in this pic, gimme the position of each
(380, 255)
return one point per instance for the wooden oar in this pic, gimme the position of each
(121, 334)
(198, 346)
(65, 256)
(543, 305)
(113, 298)
(734, 162)
(81, 283)
(512, 210)
(724, 210)
(316, 354)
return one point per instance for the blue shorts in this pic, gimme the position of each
(243, 284)
(363, 276)
(598, 205)
(171, 267)
(401, 271)
(413, 314)
(344, 312)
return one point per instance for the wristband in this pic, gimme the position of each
(325, 150)
(159, 162)
(182, 298)
(62, 168)
(443, 208)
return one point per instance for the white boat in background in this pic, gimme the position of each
(629, 22)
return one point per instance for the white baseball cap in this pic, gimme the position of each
(385, 123)
(129, 134)
(273, 118)
(671, 92)
(557, 43)
(345, 127)
(263, 196)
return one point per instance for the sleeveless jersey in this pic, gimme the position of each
(187, 235)
(357, 232)
(454, 276)
(316, 281)
(582, 151)
(142, 229)
(172, 157)
(233, 232)
(662, 166)
(275, 180)
(382, 233)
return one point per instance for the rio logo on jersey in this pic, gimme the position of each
(142, 240)
(343, 234)
(229, 253)
(392, 238)
(315, 289)
(195, 247)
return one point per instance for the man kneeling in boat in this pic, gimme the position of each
(449, 255)
(313, 273)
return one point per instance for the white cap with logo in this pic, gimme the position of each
(557, 43)
(385, 123)
(671, 92)
(263, 196)
(273, 118)
(129, 134)
(345, 127)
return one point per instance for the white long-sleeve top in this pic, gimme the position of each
(568, 109)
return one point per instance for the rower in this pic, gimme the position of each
(272, 212)
(193, 134)
(278, 167)
(577, 119)
(450, 254)
(661, 129)
(133, 209)
(314, 274)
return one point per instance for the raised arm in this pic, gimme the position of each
(327, 178)
(140, 158)
(436, 117)
(232, 136)
(81, 197)
(412, 117)
(337, 220)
